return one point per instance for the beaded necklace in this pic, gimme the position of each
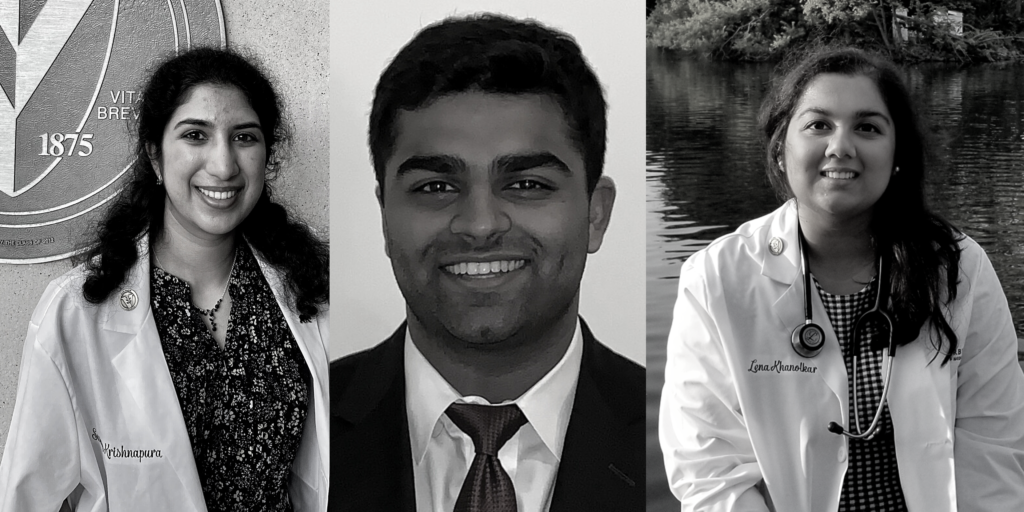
(211, 313)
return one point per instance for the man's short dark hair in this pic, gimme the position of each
(493, 54)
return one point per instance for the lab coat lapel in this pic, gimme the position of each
(141, 366)
(920, 406)
(311, 462)
(789, 306)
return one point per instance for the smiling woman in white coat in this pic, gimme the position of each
(850, 350)
(182, 366)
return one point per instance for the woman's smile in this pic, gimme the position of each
(840, 174)
(220, 198)
(219, 194)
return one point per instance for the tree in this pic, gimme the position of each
(766, 29)
(846, 16)
(725, 30)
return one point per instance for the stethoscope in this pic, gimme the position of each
(808, 340)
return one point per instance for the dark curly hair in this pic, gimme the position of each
(284, 242)
(923, 248)
(493, 54)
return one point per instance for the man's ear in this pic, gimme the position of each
(383, 219)
(601, 202)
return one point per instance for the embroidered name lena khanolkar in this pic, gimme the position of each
(778, 367)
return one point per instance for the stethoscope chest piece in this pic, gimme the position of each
(808, 339)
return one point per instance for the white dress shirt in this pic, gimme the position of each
(442, 453)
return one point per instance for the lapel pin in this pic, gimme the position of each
(776, 246)
(129, 300)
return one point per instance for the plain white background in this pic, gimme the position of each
(366, 305)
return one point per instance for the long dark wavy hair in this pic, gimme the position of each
(922, 247)
(283, 241)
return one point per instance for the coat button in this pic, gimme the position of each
(776, 246)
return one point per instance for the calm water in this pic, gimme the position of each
(705, 178)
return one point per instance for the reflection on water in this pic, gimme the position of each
(705, 177)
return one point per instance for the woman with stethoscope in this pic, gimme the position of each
(850, 350)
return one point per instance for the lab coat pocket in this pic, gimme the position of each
(140, 440)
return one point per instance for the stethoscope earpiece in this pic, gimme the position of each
(808, 339)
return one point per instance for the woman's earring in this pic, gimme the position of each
(897, 170)
(159, 180)
(781, 167)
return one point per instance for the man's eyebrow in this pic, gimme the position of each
(441, 164)
(523, 162)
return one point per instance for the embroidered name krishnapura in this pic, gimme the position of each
(120, 452)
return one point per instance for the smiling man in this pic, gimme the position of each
(488, 139)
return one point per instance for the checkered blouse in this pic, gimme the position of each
(872, 480)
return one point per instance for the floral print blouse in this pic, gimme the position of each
(244, 406)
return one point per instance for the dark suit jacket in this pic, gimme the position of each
(602, 466)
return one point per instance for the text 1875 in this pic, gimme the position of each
(53, 144)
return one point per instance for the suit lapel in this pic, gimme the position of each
(602, 465)
(371, 456)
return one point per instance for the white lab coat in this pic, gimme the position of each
(97, 418)
(734, 440)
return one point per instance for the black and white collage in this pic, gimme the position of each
(451, 255)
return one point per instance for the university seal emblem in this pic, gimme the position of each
(69, 74)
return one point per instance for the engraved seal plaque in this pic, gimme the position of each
(69, 73)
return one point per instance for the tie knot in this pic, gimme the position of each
(490, 427)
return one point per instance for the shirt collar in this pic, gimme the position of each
(428, 395)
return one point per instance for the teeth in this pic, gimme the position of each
(218, 195)
(475, 268)
(840, 175)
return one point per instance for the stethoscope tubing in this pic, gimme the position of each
(808, 340)
(864, 434)
(802, 349)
